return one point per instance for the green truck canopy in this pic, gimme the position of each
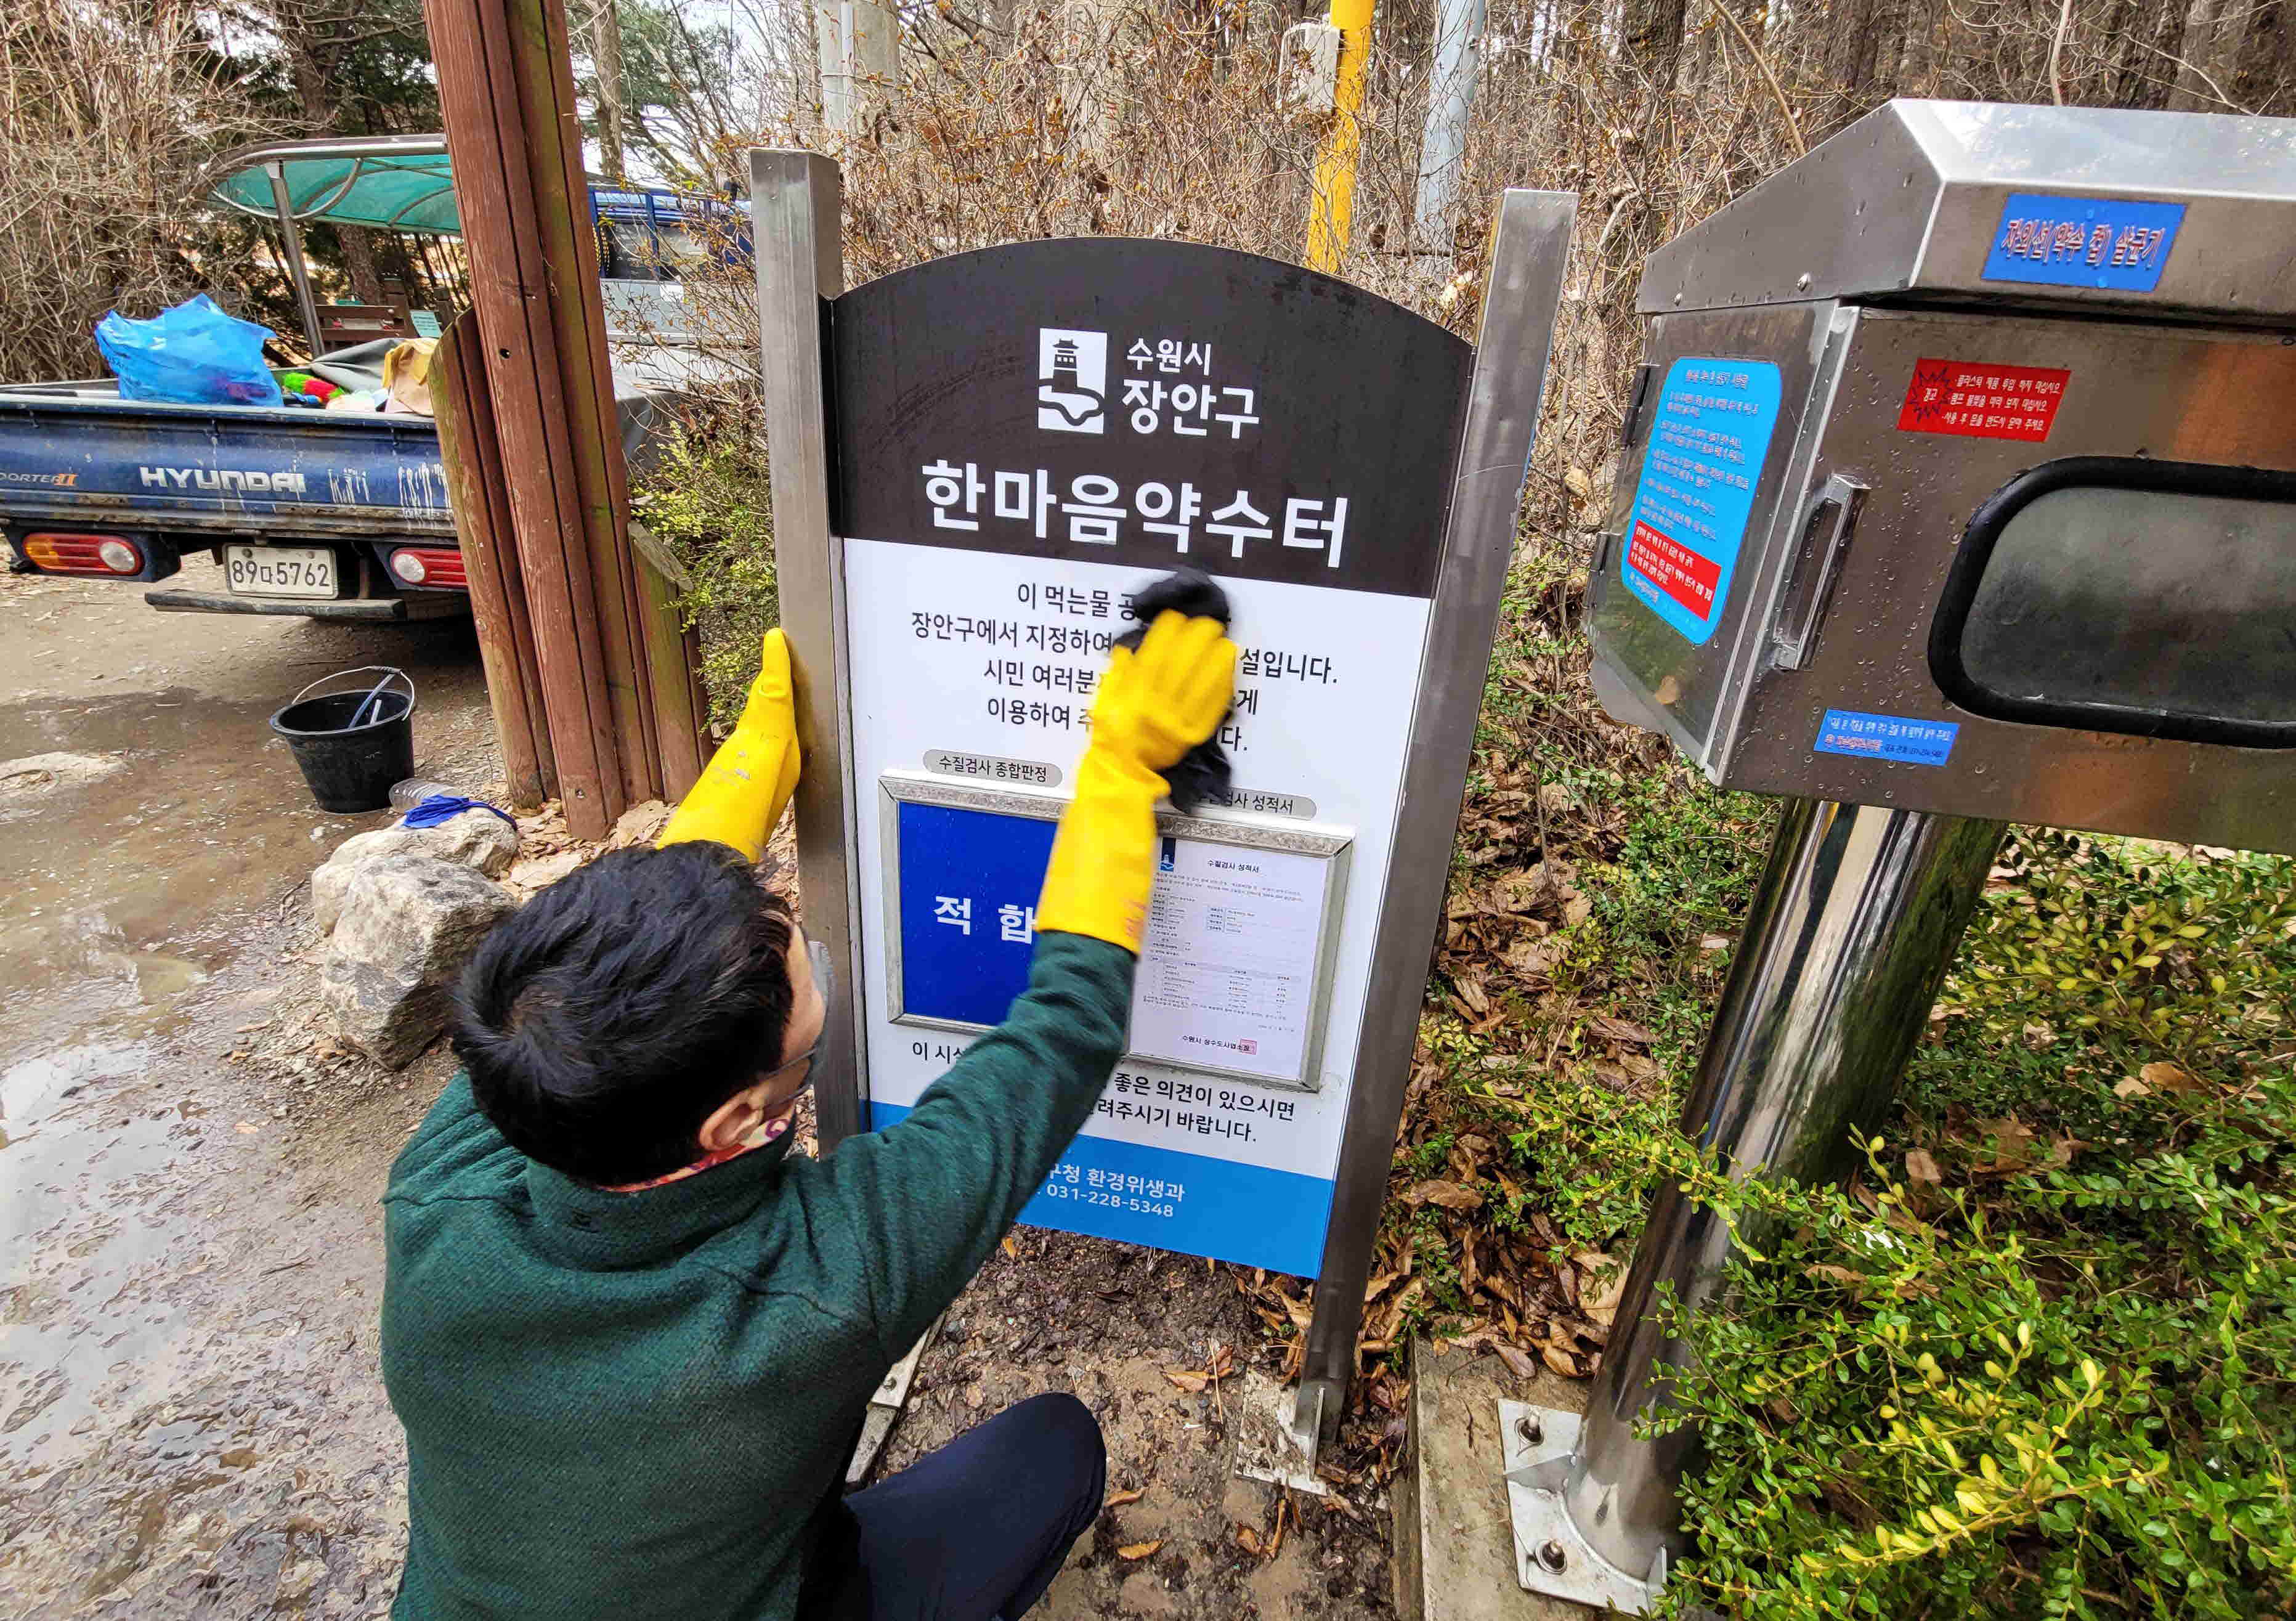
(399, 183)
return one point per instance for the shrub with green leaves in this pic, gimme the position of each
(708, 497)
(2041, 1361)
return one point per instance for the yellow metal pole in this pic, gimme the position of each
(1335, 164)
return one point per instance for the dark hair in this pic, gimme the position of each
(607, 1018)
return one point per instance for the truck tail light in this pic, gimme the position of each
(70, 553)
(439, 567)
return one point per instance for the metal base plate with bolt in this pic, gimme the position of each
(1276, 1434)
(1550, 1556)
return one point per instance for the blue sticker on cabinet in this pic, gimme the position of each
(2108, 242)
(1892, 737)
(1710, 430)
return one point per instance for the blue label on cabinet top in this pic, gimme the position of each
(1928, 743)
(1709, 429)
(2083, 242)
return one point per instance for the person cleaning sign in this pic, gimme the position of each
(631, 1337)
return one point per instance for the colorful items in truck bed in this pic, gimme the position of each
(301, 388)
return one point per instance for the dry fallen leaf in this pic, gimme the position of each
(1530, 957)
(639, 825)
(1602, 1304)
(1117, 1499)
(1249, 1540)
(2012, 1141)
(1613, 1076)
(1518, 1360)
(1615, 1029)
(1560, 1360)
(1138, 1550)
(1193, 1382)
(2162, 1076)
(1920, 1167)
(1450, 1195)
(1518, 892)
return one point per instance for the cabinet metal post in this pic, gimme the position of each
(1851, 932)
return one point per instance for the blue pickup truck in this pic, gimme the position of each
(332, 515)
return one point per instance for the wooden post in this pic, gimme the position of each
(578, 311)
(468, 447)
(674, 659)
(510, 118)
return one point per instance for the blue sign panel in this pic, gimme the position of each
(1190, 1202)
(968, 910)
(2083, 242)
(1710, 430)
(1928, 743)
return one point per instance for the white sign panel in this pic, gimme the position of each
(1025, 437)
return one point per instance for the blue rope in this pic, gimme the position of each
(444, 808)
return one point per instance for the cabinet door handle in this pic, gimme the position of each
(1824, 541)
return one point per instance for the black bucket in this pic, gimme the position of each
(352, 746)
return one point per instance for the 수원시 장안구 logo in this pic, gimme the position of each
(1072, 380)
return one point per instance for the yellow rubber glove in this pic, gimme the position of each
(753, 773)
(1155, 705)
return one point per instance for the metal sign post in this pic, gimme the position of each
(1953, 505)
(975, 461)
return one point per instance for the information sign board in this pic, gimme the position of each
(1026, 436)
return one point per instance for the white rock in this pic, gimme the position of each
(407, 924)
(479, 840)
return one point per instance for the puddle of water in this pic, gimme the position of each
(115, 888)
(83, 1176)
(176, 1313)
(34, 1088)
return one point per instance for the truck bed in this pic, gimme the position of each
(77, 453)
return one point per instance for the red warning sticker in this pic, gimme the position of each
(1980, 401)
(1688, 576)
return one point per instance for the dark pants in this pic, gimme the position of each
(979, 1529)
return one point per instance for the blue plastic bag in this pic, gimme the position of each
(193, 354)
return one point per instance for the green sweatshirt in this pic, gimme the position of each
(638, 1404)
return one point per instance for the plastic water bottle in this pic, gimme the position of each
(412, 792)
